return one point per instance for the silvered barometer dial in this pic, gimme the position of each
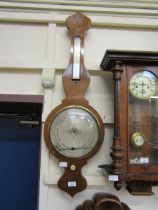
(143, 84)
(74, 130)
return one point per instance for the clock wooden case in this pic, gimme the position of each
(103, 201)
(135, 142)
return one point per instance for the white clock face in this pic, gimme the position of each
(143, 84)
(74, 132)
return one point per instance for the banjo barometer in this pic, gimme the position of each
(74, 130)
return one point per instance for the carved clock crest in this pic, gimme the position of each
(135, 141)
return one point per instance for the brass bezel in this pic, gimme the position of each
(58, 110)
(134, 135)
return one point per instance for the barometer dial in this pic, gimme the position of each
(74, 132)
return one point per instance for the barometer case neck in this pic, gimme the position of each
(76, 78)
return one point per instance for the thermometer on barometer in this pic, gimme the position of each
(76, 58)
(74, 130)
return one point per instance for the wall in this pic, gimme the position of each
(32, 60)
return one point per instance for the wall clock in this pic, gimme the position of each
(135, 142)
(74, 130)
(103, 201)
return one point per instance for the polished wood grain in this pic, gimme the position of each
(77, 25)
(75, 90)
(103, 201)
(138, 177)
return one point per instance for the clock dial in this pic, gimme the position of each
(74, 132)
(143, 84)
(138, 139)
(135, 142)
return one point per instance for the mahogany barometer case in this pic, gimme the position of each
(74, 130)
(135, 142)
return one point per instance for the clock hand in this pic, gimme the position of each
(136, 84)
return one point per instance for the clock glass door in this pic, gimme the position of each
(142, 119)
